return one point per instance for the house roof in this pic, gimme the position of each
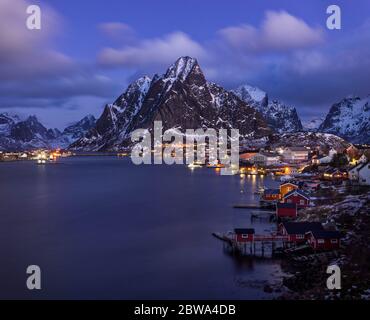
(300, 192)
(292, 183)
(269, 154)
(301, 227)
(333, 170)
(244, 231)
(271, 191)
(281, 205)
(326, 234)
(297, 149)
(363, 166)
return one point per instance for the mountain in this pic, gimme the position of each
(280, 117)
(181, 98)
(313, 124)
(325, 141)
(17, 134)
(78, 129)
(254, 96)
(25, 134)
(349, 119)
(7, 120)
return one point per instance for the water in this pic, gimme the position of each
(100, 227)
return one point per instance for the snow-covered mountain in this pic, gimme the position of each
(17, 133)
(8, 120)
(313, 124)
(350, 119)
(309, 139)
(280, 117)
(78, 129)
(181, 98)
(254, 96)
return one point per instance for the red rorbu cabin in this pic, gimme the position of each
(323, 239)
(271, 195)
(297, 231)
(300, 198)
(286, 210)
(244, 235)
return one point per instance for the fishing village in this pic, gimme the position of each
(317, 212)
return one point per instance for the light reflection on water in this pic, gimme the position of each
(100, 227)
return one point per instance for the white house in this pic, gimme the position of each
(361, 174)
(265, 158)
(325, 160)
(363, 159)
(295, 154)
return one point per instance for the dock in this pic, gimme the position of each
(252, 206)
(258, 245)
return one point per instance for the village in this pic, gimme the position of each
(320, 210)
(308, 178)
(40, 156)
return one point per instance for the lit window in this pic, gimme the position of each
(244, 236)
(334, 241)
(321, 241)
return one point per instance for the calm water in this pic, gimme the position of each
(100, 227)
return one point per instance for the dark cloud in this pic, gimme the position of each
(292, 60)
(32, 69)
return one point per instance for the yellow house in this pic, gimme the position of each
(287, 187)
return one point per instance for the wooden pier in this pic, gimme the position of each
(253, 206)
(258, 245)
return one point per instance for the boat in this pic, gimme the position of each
(286, 177)
(194, 165)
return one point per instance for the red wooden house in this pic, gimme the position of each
(323, 239)
(244, 235)
(300, 198)
(297, 231)
(286, 210)
(271, 195)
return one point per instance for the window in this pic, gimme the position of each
(289, 200)
(321, 241)
(299, 236)
(334, 241)
(301, 202)
(244, 236)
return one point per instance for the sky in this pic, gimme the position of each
(87, 52)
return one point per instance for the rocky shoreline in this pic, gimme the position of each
(307, 274)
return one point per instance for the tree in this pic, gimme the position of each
(339, 160)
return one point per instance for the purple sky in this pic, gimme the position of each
(88, 51)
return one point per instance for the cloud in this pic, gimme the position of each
(29, 53)
(162, 51)
(117, 31)
(83, 84)
(279, 31)
(32, 71)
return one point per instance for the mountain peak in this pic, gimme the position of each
(254, 93)
(280, 117)
(349, 119)
(32, 118)
(181, 68)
